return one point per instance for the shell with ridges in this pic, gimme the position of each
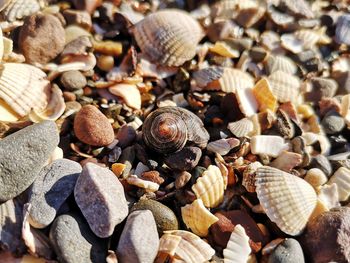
(210, 187)
(287, 199)
(342, 179)
(270, 145)
(168, 37)
(238, 248)
(248, 180)
(342, 32)
(19, 9)
(241, 128)
(278, 62)
(284, 86)
(198, 218)
(264, 96)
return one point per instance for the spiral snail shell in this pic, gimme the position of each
(168, 129)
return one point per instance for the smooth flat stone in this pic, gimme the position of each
(289, 251)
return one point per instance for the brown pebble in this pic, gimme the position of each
(152, 176)
(69, 96)
(182, 179)
(92, 127)
(105, 62)
(81, 18)
(87, 5)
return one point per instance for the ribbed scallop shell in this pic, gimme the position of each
(284, 86)
(248, 180)
(282, 63)
(23, 87)
(342, 179)
(264, 96)
(342, 32)
(210, 187)
(287, 199)
(238, 248)
(241, 128)
(19, 9)
(198, 218)
(168, 37)
(268, 144)
(185, 247)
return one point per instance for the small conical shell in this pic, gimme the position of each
(278, 62)
(264, 96)
(270, 145)
(198, 218)
(287, 199)
(19, 9)
(238, 248)
(241, 128)
(342, 179)
(284, 86)
(23, 87)
(210, 187)
(168, 37)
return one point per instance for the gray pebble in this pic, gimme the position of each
(139, 241)
(100, 197)
(289, 251)
(22, 155)
(52, 187)
(321, 162)
(73, 80)
(74, 242)
(185, 159)
(333, 123)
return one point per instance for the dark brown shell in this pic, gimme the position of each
(168, 129)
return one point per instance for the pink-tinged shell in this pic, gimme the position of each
(168, 37)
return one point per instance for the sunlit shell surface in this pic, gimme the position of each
(342, 32)
(247, 102)
(241, 128)
(282, 63)
(342, 179)
(238, 248)
(284, 86)
(185, 246)
(168, 37)
(19, 9)
(270, 145)
(198, 218)
(264, 96)
(248, 180)
(210, 187)
(129, 93)
(4, 3)
(23, 87)
(328, 194)
(287, 161)
(287, 199)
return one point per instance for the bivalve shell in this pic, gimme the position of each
(287, 199)
(278, 62)
(268, 144)
(238, 248)
(342, 32)
(264, 96)
(168, 37)
(342, 179)
(241, 128)
(19, 9)
(284, 86)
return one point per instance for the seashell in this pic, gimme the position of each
(345, 109)
(280, 18)
(264, 96)
(198, 218)
(247, 102)
(286, 161)
(287, 199)
(300, 8)
(19, 9)
(284, 86)
(225, 9)
(248, 180)
(310, 37)
(129, 93)
(250, 13)
(342, 179)
(184, 246)
(329, 195)
(168, 37)
(147, 185)
(241, 128)
(25, 93)
(316, 178)
(210, 187)
(168, 129)
(223, 146)
(238, 248)
(278, 62)
(223, 49)
(4, 4)
(342, 31)
(54, 109)
(269, 145)
(292, 43)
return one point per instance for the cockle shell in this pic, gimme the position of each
(278, 62)
(184, 246)
(210, 187)
(342, 179)
(241, 128)
(24, 93)
(168, 37)
(342, 31)
(238, 248)
(129, 93)
(284, 86)
(198, 218)
(264, 96)
(310, 37)
(19, 9)
(270, 145)
(287, 199)
(292, 43)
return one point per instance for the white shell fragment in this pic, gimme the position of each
(342, 179)
(147, 185)
(286, 161)
(287, 199)
(268, 144)
(241, 128)
(129, 93)
(223, 146)
(238, 248)
(329, 196)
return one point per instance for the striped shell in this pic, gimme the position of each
(264, 96)
(210, 187)
(185, 247)
(238, 248)
(198, 218)
(268, 144)
(342, 32)
(241, 128)
(284, 86)
(168, 37)
(342, 179)
(23, 87)
(287, 199)
(19, 9)
(278, 62)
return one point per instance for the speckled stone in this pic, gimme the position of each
(333, 123)
(289, 251)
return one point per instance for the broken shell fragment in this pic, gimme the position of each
(147, 185)
(284, 86)
(328, 194)
(342, 179)
(198, 218)
(268, 144)
(278, 62)
(249, 173)
(286, 161)
(342, 31)
(238, 248)
(241, 128)
(264, 96)
(223, 146)
(287, 199)
(129, 93)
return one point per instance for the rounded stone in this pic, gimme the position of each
(333, 123)
(42, 38)
(289, 251)
(321, 162)
(185, 159)
(73, 80)
(163, 215)
(92, 127)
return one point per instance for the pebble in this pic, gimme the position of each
(87, 5)
(74, 242)
(163, 215)
(315, 177)
(139, 241)
(185, 159)
(22, 155)
(322, 87)
(125, 136)
(92, 127)
(73, 80)
(327, 238)
(182, 179)
(321, 162)
(289, 251)
(42, 38)
(100, 197)
(81, 18)
(333, 123)
(105, 62)
(52, 187)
